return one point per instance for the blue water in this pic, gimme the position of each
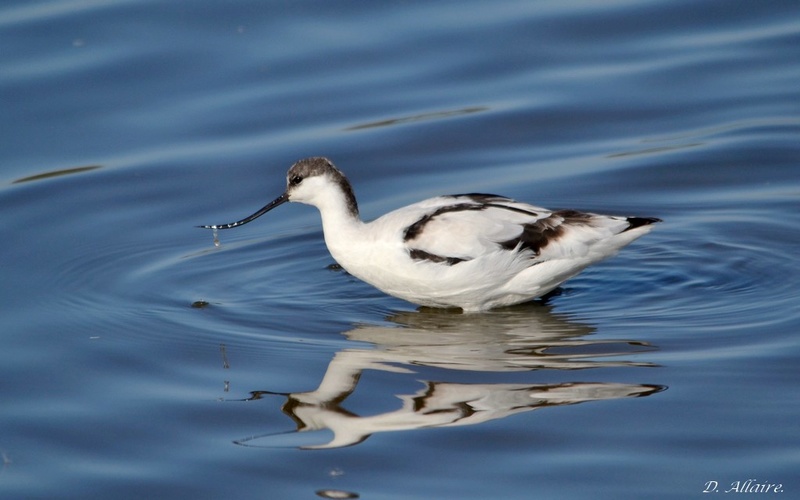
(140, 361)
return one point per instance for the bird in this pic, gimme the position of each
(471, 251)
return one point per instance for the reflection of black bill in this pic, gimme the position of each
(280, 200)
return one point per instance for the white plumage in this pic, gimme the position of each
(473, 251)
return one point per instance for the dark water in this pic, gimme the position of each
(139, 361)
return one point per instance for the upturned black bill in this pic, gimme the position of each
(280, 200)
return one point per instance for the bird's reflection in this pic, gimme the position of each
(523, 338)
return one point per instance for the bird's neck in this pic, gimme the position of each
(341, 224)
(341, 228)
(340, 220)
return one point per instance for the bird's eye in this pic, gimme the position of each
(295, 180)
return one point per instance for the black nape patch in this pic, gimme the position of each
(318, 165)
(418, 254)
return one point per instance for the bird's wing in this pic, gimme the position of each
(452, 229)
(465, 227)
